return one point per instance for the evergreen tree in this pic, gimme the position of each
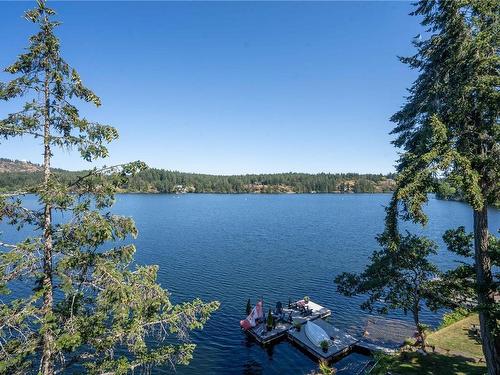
(89, 301)
(395, 279)
(449, 128)
(457, 287)
(163, 181)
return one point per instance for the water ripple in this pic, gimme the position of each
(234, 247)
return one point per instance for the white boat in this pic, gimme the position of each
(315, 333)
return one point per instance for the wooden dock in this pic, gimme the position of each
(263, 336)
(384, 334)
(317, 312)
(341, 342)
(380, 334)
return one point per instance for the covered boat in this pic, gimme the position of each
(315, 333)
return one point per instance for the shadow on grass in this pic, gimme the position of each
(473, 335)
(436, 363)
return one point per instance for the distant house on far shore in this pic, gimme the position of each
(181, 189)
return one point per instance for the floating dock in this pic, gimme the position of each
(341, 342)
(380, 334)
(263, 336)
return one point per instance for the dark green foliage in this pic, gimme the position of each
(396, 278)
(393, 279)
(270, 321)
(80, 298)
(453, 317)
(449, 129)
(15, 182)
(449, 122)
(383, 363)
(445, 191)
(324, 345)
(459, 242)
(458, 287)
(167, 181)
(162, 181)
(364, 185)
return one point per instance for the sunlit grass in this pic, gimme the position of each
(456, 352)
(457, 340)
(436, 364)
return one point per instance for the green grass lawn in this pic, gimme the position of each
(436, 364)
(457, 352)
(457, 340)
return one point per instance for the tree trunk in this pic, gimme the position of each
(485, 291)
(420, 331)
(47, 365)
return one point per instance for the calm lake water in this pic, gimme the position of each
(234, 247)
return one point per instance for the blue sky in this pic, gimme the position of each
(232, 87)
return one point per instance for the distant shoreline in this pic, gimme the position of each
(255, 193)
(17, 176)
(10, 194)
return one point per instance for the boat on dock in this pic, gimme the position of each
(340, 343)
(303, 324)
(315, 333)
(295, 323)
(297, 313)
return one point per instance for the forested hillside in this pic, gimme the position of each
(15, 177)
(158, 180)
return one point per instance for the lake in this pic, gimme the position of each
(234, 247)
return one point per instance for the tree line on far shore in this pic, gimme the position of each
(164, 181)
(14, 178)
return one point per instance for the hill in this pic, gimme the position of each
(8, 165)
(18, 176)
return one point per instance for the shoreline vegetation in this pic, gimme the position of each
(18, 175)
